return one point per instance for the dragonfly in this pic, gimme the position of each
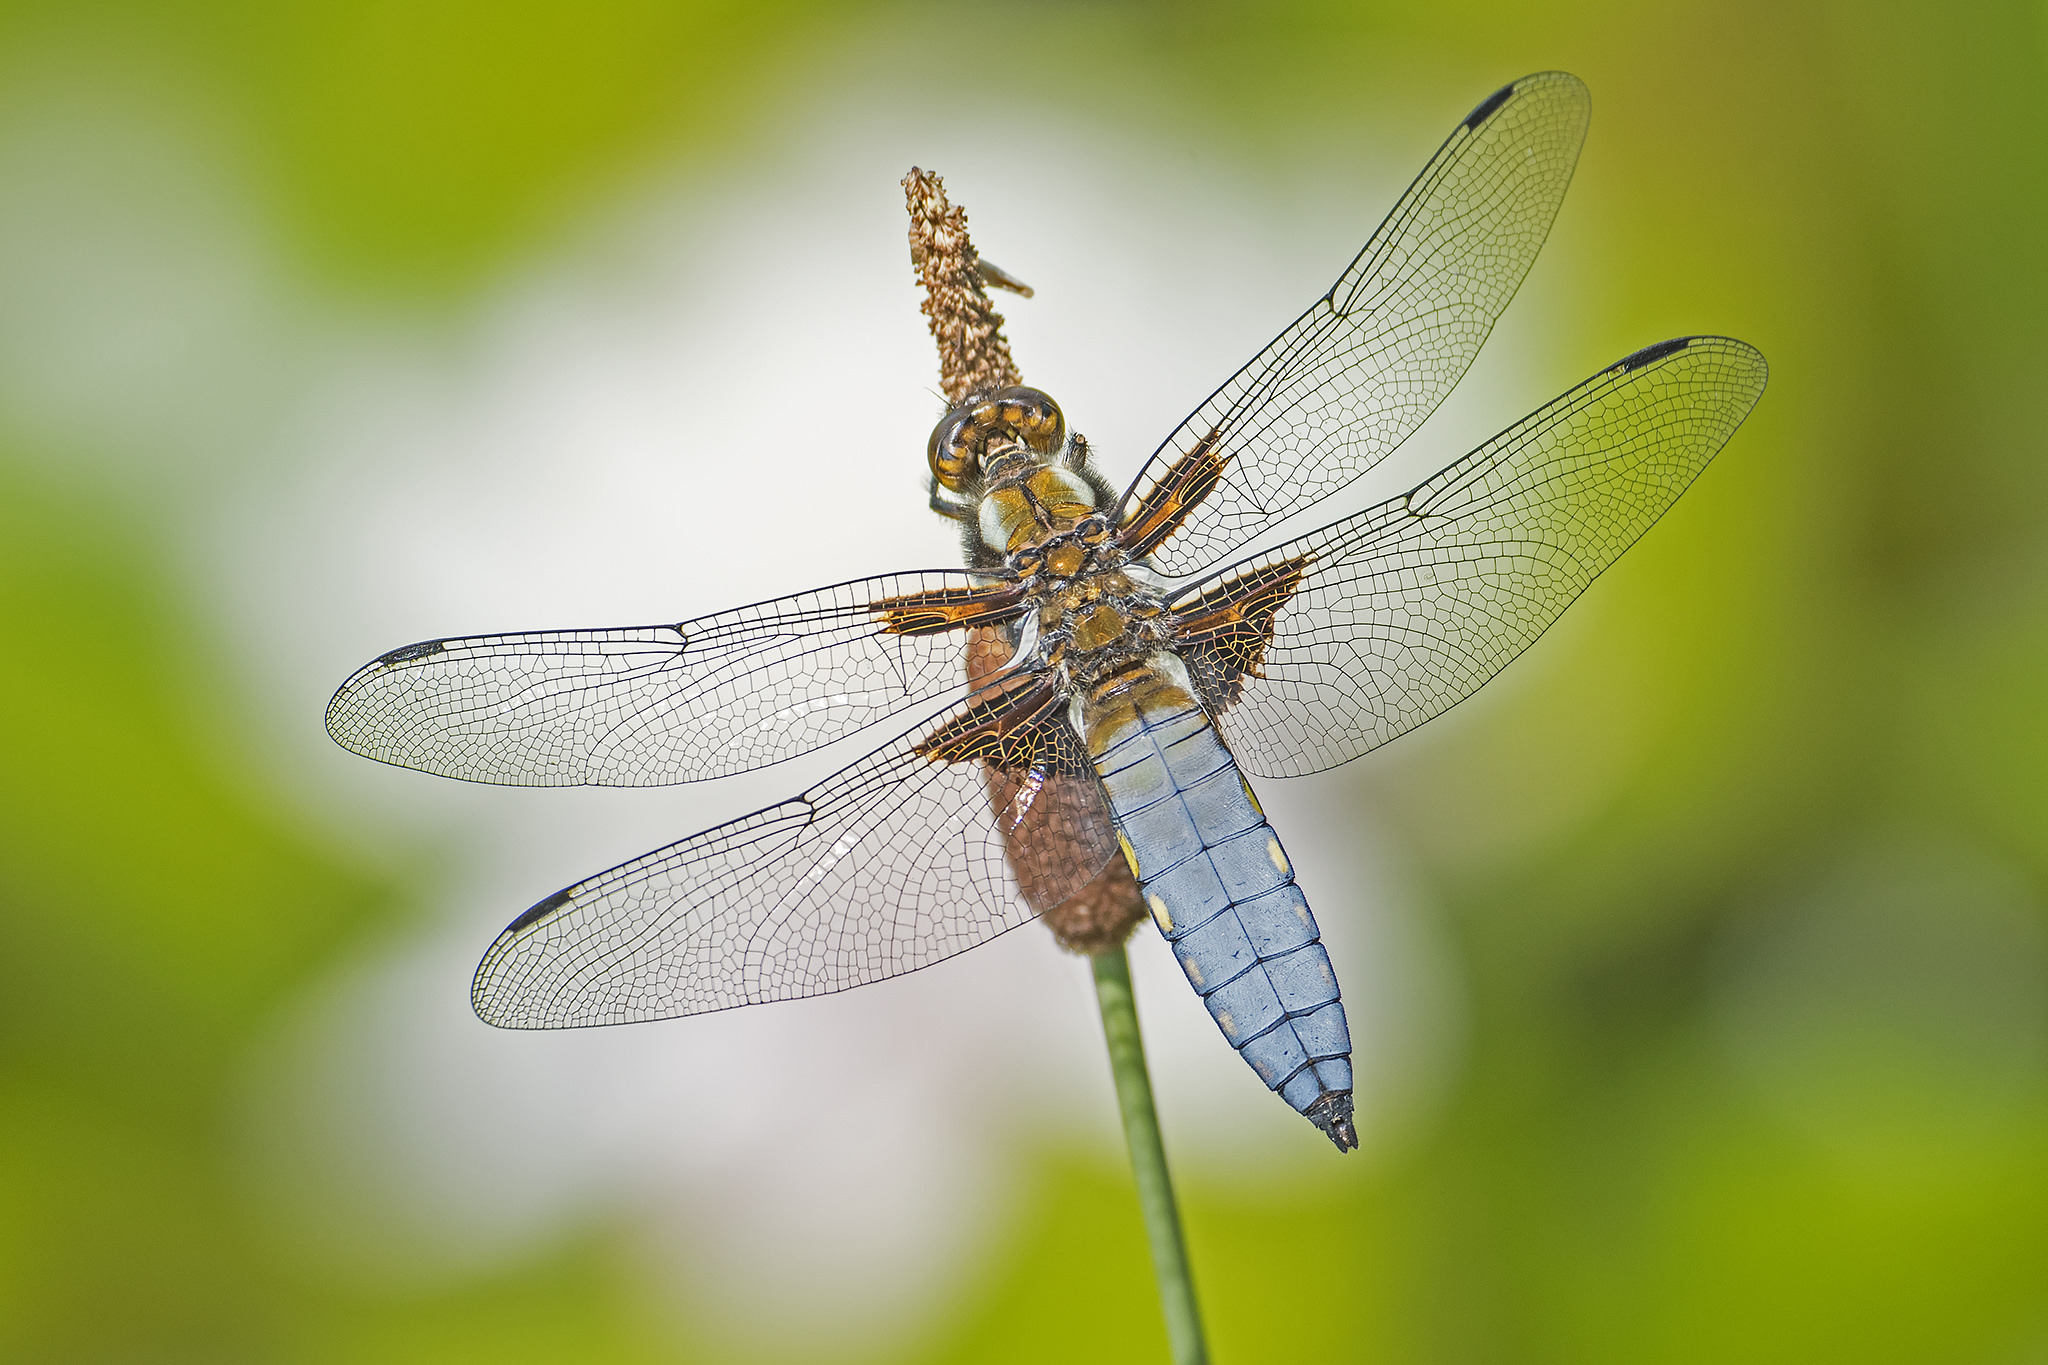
(1107, 671)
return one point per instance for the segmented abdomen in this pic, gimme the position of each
(1222, 891)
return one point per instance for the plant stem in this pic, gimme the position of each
(1148, 1156)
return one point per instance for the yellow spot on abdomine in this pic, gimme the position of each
(1159, 913)
(1279, 858)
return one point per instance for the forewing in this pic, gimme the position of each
(651, 705)
(890, 865)
(1336, 643)
(1360, 370)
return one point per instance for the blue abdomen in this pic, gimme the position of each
(1222, 891)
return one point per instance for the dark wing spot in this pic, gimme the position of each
(406, 654)
(1487, 106)
(540, 911)
(1650, 353)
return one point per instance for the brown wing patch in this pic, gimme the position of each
(1042, 790)
(1007, 724)
(929, 613)
(1169, 502)
(1225, 630)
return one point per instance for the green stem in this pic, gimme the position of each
(1148, 1157)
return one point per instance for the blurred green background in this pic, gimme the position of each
(1743, 888)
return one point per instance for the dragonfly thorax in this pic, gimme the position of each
(1030, 500)
(1095, 611)
(1006, 467)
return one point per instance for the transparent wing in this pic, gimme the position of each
(1069, 820)
(890, 865)
(1360, 370)
(650, 705)
(1338, 642)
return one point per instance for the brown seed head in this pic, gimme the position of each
(974, 357)
(1101, 915)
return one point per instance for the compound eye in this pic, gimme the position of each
(1033, 415)
(951, 451)
(1092, 530)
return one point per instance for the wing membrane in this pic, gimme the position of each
(1364, 630)
(889, 865)
(1360, 370)
(1054, 813)
(651, 705)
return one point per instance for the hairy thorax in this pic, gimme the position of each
(1098, 617)
(1033, 507)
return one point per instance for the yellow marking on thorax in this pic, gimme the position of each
(1006, 520)
(1102, 626)
(1066, 560)
(1064, 495)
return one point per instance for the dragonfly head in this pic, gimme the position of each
(1014, 419)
